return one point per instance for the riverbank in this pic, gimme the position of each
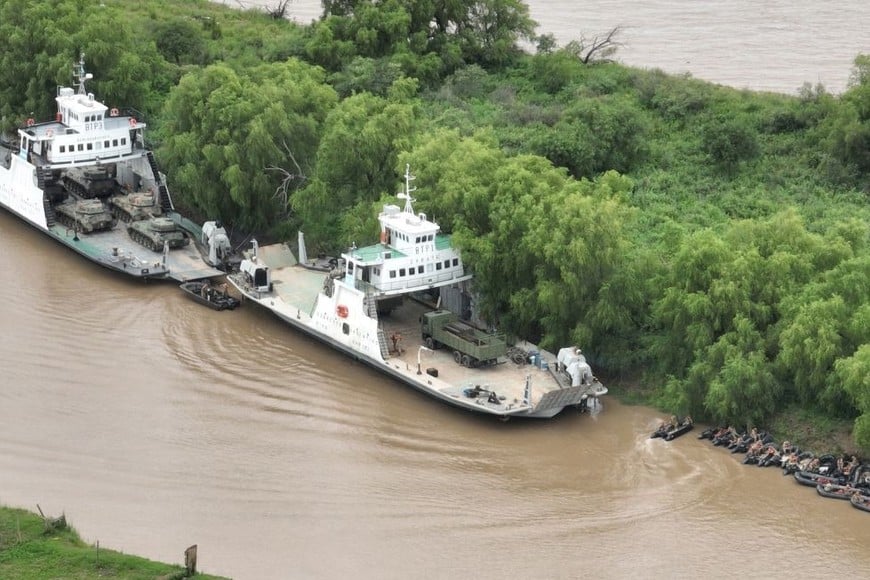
(814, 431)
(31, 548)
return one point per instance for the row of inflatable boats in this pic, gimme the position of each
(846, 478)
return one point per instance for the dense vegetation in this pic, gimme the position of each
(31, 549)
(712, 242)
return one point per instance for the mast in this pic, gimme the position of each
(406, 195)
(80, 75)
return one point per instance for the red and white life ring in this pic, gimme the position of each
(30, 122)
(341, 310)
(132, 121)
(113, 113)
(49, 133)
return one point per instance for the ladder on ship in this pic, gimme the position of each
(165, 200)
(50, 218)
(371, 304)
(382, 342)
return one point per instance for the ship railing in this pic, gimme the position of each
(412, 283)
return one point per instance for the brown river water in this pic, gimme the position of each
(155, 423)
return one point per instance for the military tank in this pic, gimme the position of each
(134, 206)
(153, 232)
(87, 215)
(90, 183)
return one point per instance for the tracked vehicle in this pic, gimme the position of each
(88, 215)
(91, 182)
(154, 232)
(134, 206)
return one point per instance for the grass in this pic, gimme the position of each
(28, 550)
(817, 432)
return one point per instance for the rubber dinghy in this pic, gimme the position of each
(834, 491)
(861, 502)
(208, 295)
(673, 429)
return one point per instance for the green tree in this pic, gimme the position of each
(728, 142)
(854, 374)
(362, 138)
(180, 40)
(42, 42)
(485, 32)
(228, 136)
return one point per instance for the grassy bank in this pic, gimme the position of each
(28, 549)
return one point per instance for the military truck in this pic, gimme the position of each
(134, 206)
(471, 347)
(153, 232)
(87, 215)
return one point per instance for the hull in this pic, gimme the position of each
(343, 319)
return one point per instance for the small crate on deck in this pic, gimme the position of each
(432, 371)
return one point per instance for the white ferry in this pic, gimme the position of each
(402, 306)
(75, 177)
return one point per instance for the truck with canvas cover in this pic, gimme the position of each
(471, 347)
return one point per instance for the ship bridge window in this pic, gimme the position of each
(392, 273)
(437, 265)
(63, 148)
(455, 262)
(260, 277)
(345, 328)
(114, 142)
(123, 140)
(446, 263)
(90, 146)
(106, 143)
(401, 271)
(81, 147)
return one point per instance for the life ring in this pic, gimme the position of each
(341, 310)
(113, 113)
(132, 121)
(30, 122)
(49, 133)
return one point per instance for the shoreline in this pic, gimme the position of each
(32, 545)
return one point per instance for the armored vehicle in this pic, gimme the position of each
(88, 215)
(91, 182)
(134, 206)
(153, 232)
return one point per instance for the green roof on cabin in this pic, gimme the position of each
(373, 252)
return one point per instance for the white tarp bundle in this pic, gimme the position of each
(571, 359)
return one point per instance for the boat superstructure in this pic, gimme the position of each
(63, 175)
(402, 306)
